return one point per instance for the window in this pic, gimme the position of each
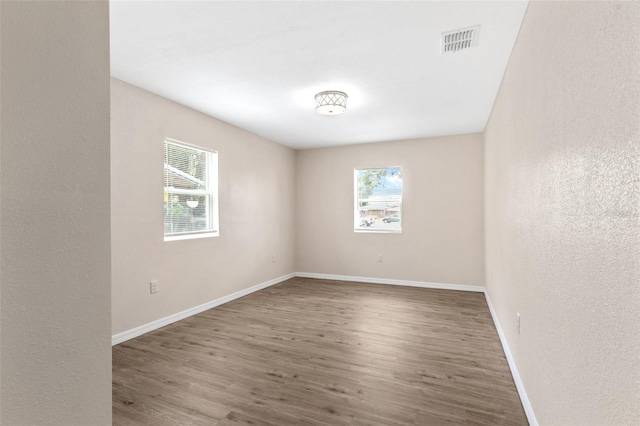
(190, 191)
(378, 200)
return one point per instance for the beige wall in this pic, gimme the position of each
(256, 218)
(562, 198)
(55, 265)
(442, 231)
(0, 212)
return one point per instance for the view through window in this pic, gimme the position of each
(378, 199)
(190, 191)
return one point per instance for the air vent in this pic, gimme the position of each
(454, 41)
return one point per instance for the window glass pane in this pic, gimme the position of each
(185, 213)
(184, 167)
(378, 199)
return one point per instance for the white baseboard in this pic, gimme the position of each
(528, 410)
(387, 281)
(154, 325)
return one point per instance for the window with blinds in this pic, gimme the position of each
(190, 191)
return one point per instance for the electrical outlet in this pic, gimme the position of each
(273, 258)
(379, 258)
(153, 286)
(518, 322)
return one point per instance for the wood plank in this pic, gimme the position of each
(319, 352)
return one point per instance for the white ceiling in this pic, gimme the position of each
(258, 65)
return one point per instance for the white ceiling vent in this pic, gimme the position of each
(454, 41)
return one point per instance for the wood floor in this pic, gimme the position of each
(316, 352)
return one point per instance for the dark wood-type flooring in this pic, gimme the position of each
(316, 352)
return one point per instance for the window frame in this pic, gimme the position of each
(356, 210)
(210, 194)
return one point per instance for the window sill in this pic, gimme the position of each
(192, 236)
(378, 231)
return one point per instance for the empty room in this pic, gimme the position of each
(319, 213)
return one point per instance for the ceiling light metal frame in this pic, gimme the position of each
(331, 102)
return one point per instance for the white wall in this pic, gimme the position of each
(54, 217)
(442, 237)
(562, 199)
(256, 217)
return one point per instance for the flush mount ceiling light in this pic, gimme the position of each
(331, 102)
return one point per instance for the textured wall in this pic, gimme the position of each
(562, 198)
(55, 264)
(256, 193)
(442, 236)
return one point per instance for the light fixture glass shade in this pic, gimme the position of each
(331, 102)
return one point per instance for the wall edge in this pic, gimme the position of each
(524, 399)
